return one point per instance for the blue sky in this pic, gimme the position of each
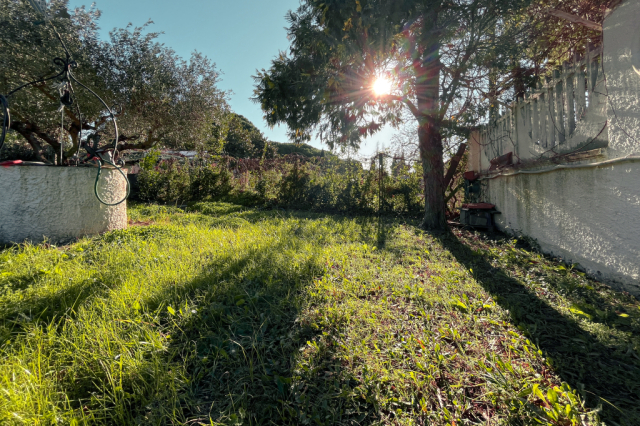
(240, 36)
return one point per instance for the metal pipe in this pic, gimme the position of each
(630, 157)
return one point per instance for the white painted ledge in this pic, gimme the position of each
(58, 204)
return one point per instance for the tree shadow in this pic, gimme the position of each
(382, 232)
(375, 229)
(15, 317)
(36, 309)
(237, 338)
(42, 309)
(606, 374)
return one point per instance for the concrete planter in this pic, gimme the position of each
(58, 204)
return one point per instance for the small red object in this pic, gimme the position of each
(502, 161)
(11, 163)
(479, 206)
(471, 176)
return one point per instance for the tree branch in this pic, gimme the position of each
(575, 19)
(454, 191)
(68, 113)
(455, 78)
(30, 136)
(149, 142)
(416, 113)
(453, 165)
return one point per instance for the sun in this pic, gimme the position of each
(382, 86)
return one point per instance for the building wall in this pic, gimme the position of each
(58, 203)
(588, 215)
(622, 82)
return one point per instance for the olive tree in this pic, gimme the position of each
(158, 98)
(244, 140)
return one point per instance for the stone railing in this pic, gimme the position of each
(565, 114)
(562, 165)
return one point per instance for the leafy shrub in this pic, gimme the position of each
(294, 186)
(210, 181)
(326, 184)
(16, 150)
(167, 182)
(267, 185)
(404, 192)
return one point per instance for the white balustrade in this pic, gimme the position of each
(565, 114)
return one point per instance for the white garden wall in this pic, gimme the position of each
(58, 203)
(588, 213)
(586, 216)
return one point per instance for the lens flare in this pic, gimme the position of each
(382, 86)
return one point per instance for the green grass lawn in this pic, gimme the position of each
(227, 316)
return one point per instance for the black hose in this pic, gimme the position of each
(6, 120)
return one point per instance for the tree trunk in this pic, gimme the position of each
(433, 172)
(31, 138)
(453, 164)
(429, 137)
(519, 86)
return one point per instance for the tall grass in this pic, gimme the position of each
(90, 331)
(228, 316)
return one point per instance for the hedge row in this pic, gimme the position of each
(289, 182)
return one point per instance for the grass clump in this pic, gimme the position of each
(227, 315)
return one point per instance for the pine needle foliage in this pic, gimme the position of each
(437, 54)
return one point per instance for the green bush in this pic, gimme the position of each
(325, 184)
(267, 185)
(294, 187)
(168, 182)
(210, 181)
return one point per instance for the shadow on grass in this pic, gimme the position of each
(580, 358)
(64, 301)
(17, 316)
(376, 228)
(239, 341)
(382, 232)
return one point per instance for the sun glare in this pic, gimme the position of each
(382, 86)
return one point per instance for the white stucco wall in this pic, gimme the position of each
(586, 216)
(589, 216)
(58, 203)
(622, 84)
